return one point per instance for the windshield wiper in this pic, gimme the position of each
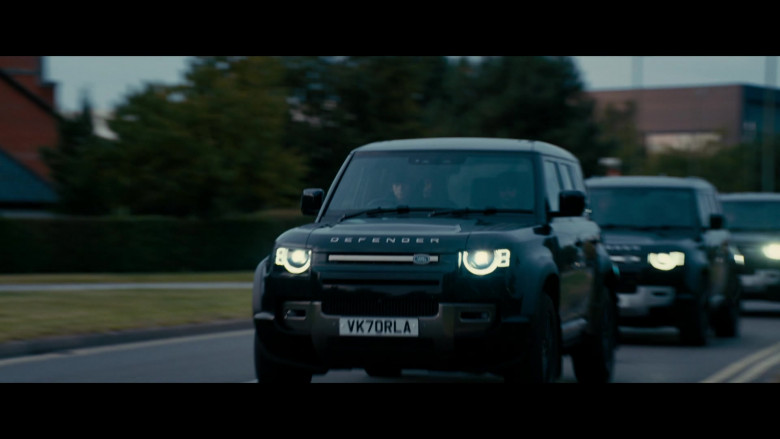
(485, 211)
(378, 210)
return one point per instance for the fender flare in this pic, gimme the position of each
(531, 295)
(258, 285)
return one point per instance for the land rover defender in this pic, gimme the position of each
(677, 267)
(450, 254)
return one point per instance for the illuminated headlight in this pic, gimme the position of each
(666, 261)
(772, 251)
(294, 260)
(482, 262)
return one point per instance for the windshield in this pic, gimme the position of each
(435, 181)
(644, 207)
(752, 215)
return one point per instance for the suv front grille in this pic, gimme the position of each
(370, 305)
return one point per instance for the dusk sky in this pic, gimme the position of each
(106, 80)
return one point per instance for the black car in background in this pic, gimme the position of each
(666, 235)
(455, 254)
(754, 222)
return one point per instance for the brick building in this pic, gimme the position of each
(28, 121)
(690, 117)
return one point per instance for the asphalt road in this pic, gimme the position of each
(225, 356)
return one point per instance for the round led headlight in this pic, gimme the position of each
(666, 261)
(482, 262)
(772, 251)
(294, 260)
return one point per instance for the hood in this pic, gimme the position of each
(635, 239)
(402, 236)
(755, 237)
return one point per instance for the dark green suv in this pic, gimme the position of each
(677, 266)
(453, 254)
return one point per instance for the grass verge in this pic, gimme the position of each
(41, 314)
(238, 276)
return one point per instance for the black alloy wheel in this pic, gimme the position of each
(594, 359)
(270, 371)
(543, 364)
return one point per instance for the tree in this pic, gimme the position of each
(734, 168)
(81, 166)
(212, 146)
(538, 98)
(618, 128)
(340, 103)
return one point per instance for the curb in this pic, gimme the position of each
(70, 342)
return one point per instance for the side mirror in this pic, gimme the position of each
(311, 201)
(571, 203)
(717, 221)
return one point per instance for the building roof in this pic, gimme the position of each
(468, 144)
(21, 187)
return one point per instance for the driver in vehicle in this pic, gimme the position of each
(401, 191)
(508, 194)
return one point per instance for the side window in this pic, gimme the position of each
(565, 171)
(576, 177)
(715, 201)
(704, 207)
(552, 183)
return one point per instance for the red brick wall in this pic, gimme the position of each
(696, 109)
(27, 71)
(25, 127)
(21, 62)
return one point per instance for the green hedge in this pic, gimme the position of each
(137, 245)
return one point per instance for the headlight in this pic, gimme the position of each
(482, 262)
(294, 260)
(739, 258)
(772, 251)
(666, 261)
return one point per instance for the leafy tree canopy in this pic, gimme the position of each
(211, 146)
(247, 133)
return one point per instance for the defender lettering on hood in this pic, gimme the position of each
(380, 240)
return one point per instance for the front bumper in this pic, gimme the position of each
(460, 336)
(644, 299)
(761, 284)
(649, 297)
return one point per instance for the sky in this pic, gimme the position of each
(107, 80)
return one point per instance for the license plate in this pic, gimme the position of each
(378, 327)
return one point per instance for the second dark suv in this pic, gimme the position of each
(677, 268)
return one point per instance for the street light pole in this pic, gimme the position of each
(768, 152)
(636, 65)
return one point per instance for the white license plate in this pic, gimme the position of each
(378, 327)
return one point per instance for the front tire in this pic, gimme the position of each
(383, 372)
(726, 320)
(694, 325)
(270, 371)
(594, 358)
(543, 364)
